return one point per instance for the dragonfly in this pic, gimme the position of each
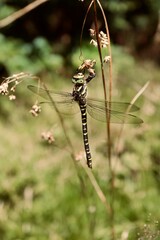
(66, 103)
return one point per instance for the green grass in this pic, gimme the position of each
(40, 194)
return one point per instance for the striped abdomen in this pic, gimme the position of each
(85, 135)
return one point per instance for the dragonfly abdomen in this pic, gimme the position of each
(85, 135)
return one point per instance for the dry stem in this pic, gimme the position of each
(14, 16)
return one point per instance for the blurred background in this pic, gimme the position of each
(40, 193)
(58, 24)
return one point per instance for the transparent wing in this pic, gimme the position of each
(118, 111)
(62, 100)
(57, 96)
(120, 107)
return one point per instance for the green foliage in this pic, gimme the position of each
(32, 57)
(124, 13)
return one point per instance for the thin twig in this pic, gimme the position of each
(97, 188)
(84, 21)
(14, 16)
(103, 78)
(71, 148)
(122, 128)
(61, 119)
(107, 96)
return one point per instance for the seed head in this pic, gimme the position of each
(12, 97)
(103, 39)
(92, 32)
(48, 137)
(79, 156)
(4, 88)
(36, 109)
(106, 59)
(93, 42)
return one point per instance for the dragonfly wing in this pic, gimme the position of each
(99, 113)
(125, 118)
(57, 96)
(68, 108)
(63, 101)
(121, 107)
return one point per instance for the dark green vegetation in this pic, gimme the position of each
(42, 195)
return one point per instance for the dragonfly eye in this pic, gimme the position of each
(78, 78)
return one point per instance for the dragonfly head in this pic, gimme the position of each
(78, 78)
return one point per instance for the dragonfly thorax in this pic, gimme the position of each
(80, 93)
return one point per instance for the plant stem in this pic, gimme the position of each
(108, 106)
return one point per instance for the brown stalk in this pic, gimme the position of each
(14, 16)
(117, 146)
(84, 21)
(97, 188)
(107, 98)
